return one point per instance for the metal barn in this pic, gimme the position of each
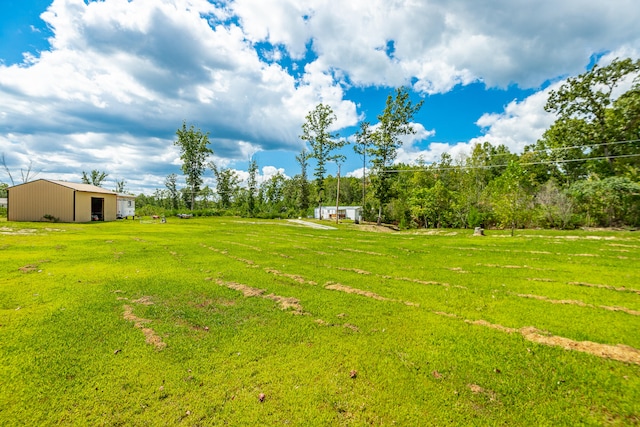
(45, 200)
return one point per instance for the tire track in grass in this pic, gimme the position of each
(579, 303)
(619, 352)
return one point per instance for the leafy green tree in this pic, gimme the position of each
(624, 120)
(194, 151)
(206, 194)
(509, 197)
(172, 187)
(273, 194)
(561, 149)
(227, 185)
(3, 189)
(252, 187)
(95, 177)
(431, 205)
(121, 185)
(590, 98)
(302, 201)
(394, 122)
(609, 201)
(361, 147)
(316, 131)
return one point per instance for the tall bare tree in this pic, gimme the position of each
(26, 175)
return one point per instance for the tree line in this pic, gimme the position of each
(583, 171)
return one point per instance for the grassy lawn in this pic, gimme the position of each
(247, 322)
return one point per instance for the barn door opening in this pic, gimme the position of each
(97, 209)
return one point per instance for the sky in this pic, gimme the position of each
(105, 84)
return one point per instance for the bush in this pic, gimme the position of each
(51, 218)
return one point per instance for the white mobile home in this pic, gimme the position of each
(344, 212)
(126, 206)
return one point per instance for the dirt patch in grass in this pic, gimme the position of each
(476, 389)
(619, 352)
(350, 290)
(376, 229)
(421, 282)
(247, 291)
(580, 304)
(293, 277)
(358, 251)
(613, 288)
(29, 268)
(456, 269)
(354, 328)
(556, 301)
(623, 309)
(512, 267)
(623, 246)
(8, 231)
(286, 303)
(243, 245)
(248, 262)
(150, 335)
(354, 270)
(145, 300)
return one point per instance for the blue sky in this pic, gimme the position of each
(104, 85)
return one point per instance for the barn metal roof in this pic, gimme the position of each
(87, 188)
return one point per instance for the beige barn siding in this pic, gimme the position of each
(33, 200)
(83, 206)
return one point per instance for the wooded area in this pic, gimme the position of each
(584, 171)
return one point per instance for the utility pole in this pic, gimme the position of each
(338, 193)
(338, 158)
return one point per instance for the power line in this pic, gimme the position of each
(546, 150)
(545, 162)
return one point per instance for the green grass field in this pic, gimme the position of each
(241, 322)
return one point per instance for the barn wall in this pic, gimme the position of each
(33, 200)
(83, 206)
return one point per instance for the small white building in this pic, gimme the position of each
(344, 212)
(3, 202)
(126, 206)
